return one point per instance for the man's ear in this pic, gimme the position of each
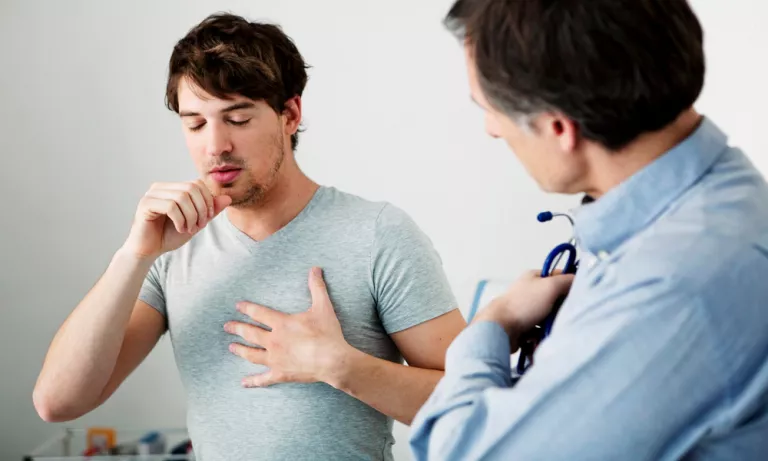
(292, 114)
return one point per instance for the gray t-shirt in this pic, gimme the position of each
(383, 276)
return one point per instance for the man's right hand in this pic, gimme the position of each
(169, 215)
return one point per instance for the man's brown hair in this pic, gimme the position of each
(617, 68)
(228, 55)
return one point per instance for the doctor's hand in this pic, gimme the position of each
(305, 347)
(526, 303)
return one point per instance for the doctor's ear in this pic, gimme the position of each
(563, 129)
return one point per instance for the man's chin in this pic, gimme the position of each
(250, 197)
(237, 194)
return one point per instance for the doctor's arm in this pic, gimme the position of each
(618, 379)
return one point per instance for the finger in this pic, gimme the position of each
(250, 333)
(251, 354)
(155, 207)
(188, 208)
(207, 196)
(220, 203)
(562, 282)
(196, 190)
(264, 315)
(199, 202)
(318, 289)
(262, 380)
(183, 200)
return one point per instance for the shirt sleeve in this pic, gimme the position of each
(152, 291)
(630, 377)
(409, 283)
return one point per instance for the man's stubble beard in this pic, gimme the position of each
(257, 192)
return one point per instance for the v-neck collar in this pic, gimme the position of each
(281, 234)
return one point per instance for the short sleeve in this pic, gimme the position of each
(409, 283)
(152, 291)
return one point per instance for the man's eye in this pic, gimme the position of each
(196, 127)
(239, 122)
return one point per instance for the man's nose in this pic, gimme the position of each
(219, 141)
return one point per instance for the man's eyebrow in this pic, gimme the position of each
(233, 107)
(238, 106)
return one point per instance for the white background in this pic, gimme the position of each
(83, 132)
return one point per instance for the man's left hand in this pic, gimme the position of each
(305, 347)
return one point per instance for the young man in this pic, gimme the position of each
(660, 350)
(275, 365)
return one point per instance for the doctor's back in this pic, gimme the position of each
(673, 298)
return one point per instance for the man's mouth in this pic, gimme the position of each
(225, 174)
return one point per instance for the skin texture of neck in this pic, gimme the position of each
(607, 169)
(291, 192)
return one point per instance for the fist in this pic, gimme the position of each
(169, 215)
(527, 302)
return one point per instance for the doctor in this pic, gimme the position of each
(661, 348)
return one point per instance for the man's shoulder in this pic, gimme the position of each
(379, 213)
(334, 200)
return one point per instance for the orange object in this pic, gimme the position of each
(102, 438)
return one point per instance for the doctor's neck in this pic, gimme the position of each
(607, 169)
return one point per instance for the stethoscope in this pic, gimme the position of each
(530, 340)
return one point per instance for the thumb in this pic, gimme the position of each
(318, 289)
(221, 202)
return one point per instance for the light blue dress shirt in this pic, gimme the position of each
(659, 352)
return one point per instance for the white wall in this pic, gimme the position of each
(387, 115)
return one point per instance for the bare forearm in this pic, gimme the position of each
(83, 353)
(396, 390)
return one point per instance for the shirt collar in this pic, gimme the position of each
(626, 209)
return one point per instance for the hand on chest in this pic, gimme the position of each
(198, 303)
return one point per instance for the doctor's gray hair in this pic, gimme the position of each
(617, 68)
